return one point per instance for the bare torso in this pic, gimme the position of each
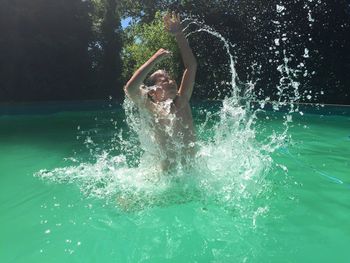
(172, 124)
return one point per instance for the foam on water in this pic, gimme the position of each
(230, 166)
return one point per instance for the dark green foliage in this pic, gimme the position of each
(59, 50)
(252, 27)
(44, 48)
(106, 48)
(71, 49)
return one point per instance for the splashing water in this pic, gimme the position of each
(230, 166)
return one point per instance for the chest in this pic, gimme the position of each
(172, 117)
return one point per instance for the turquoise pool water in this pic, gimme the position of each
(297, 210)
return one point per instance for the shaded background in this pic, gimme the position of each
(75, 50)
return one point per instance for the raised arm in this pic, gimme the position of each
(132, 87)
(173, 25)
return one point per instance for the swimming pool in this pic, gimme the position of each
(297, 210)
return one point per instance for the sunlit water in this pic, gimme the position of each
(294, 208)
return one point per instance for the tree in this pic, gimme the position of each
(44, 50)
(106, 47)
(142, 40)
(59, 49)
(311, 35)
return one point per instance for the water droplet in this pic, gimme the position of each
(310, 17)
(277, 42)
(280, 8)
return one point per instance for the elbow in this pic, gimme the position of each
(128, 86)
(125, 88)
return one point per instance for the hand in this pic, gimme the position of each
(162, 54)
(172, 23)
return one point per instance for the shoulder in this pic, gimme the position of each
(143, 91)
(139, 95)
(145, 101)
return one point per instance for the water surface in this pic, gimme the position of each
(295, 210)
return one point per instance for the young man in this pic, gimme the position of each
(166, 104)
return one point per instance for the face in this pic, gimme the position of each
(166, 88)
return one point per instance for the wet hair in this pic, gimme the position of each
(151, 80)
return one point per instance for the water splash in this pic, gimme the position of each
(235, 90)
(231, 164)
